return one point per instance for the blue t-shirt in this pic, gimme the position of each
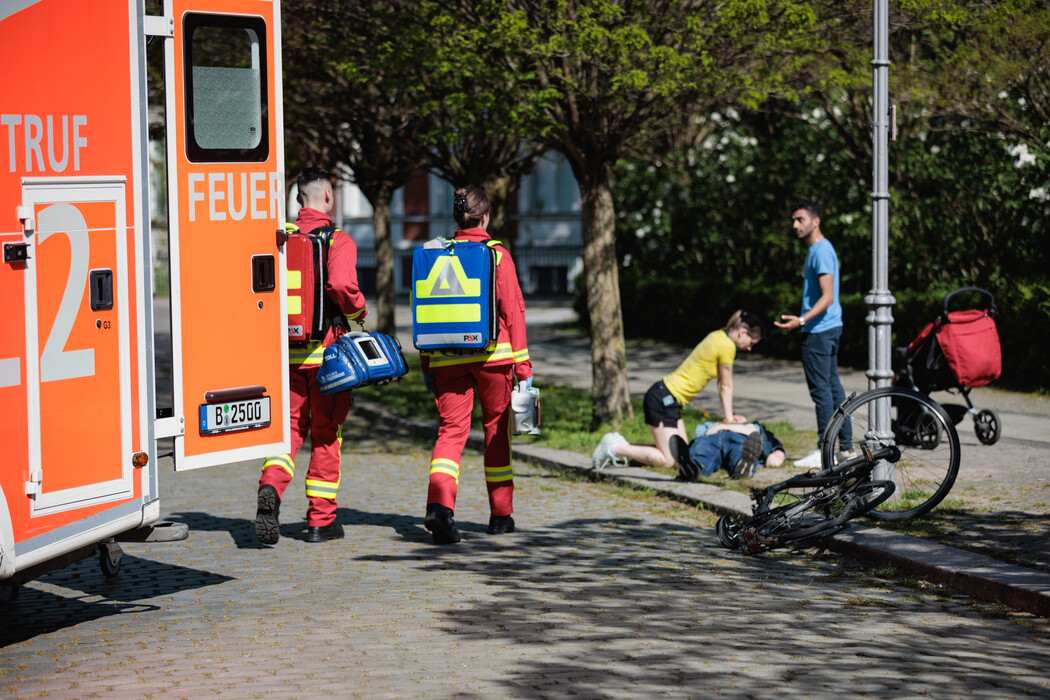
(821, 260)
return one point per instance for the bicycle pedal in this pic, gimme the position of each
(751, 541)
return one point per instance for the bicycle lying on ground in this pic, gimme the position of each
(908, 460)
(812, 506)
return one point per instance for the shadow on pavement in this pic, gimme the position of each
(409, 527)
(242, 530)
(1011, 535)
(612, 602)
(38, 611)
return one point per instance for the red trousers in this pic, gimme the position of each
(321, 417)
(454, 389)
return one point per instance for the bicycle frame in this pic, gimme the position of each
(863, 464)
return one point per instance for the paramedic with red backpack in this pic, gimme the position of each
(313, 413)
(455, 377)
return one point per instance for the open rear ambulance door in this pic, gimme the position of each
(226, 194)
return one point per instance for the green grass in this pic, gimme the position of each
(565, 415)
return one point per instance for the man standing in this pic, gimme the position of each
(313, 413)
(821, 324)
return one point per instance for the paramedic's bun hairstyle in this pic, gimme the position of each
(746, 319)
(307, 178)
(469, 206)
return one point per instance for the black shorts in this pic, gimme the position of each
(661, 407)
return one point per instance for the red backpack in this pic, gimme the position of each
(310, 311)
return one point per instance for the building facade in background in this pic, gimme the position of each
(543, 225)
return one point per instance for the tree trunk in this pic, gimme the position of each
(612, 399)
(384, 311)
(497, 188)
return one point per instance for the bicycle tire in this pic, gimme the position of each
(921, 430)
(777, 526)
(830, 510)
(785, 524)
(728, 527)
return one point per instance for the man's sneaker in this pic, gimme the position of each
(267, 527)
(687, 471)
(752, 450)
(322, 533)
(441, 524)
(810, 461)
(500, 524)
(605, 453)
(843, 455)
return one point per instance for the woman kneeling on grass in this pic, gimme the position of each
(712, 358)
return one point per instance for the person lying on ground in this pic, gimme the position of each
(739, 448)
(712, 358)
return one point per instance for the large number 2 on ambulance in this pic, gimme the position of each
(79, 281)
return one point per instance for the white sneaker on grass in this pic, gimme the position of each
(810, 461)
(843, 455)
(605, 453)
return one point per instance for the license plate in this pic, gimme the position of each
(234, 415)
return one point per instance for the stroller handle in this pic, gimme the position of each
(992, 310)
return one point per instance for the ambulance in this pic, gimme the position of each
(80, 413)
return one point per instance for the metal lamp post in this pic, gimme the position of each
(879, 300)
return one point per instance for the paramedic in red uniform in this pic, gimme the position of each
(312, 413)
(455, 378)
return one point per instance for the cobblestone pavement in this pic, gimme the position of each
(597, 595)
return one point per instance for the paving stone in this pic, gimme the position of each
(594, 596)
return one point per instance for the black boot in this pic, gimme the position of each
(267, 527)
(441, 524)
(499, 524)
(321, 533)
(687, 471)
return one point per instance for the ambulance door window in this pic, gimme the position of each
(225, 77)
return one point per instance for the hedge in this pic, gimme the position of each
(684, 311)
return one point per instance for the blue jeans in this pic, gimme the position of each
(820, 362)
(723, 449)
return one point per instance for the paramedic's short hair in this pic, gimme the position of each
(469, 206)
(308, 177)
(809, 205)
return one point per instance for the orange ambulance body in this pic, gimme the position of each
(80, 415)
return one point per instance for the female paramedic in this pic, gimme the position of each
(455, 377)
(712, 358)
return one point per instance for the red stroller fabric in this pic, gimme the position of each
(960, 349)
(970, 342)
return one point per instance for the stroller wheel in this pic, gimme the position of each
(987, 426)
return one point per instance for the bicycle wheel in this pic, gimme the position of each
(863, 498)
(921, 430)
(728, 528)
(803, 519)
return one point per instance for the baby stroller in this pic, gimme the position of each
(956, 352)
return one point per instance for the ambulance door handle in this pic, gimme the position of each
(101, 285)
(264, 273)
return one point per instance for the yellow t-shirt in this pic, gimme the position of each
(701, 366)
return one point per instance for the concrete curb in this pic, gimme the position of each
(976, 575)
